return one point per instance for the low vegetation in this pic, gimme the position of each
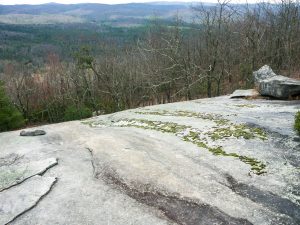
(246, 106)
(218, 119)
(297, 122)
(225, 127)
(77, 112)
(237, 130)
(10, 117)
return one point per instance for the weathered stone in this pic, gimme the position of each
(278, 86)
(32, 133)
(249, 93)
(10, 159)
(19, 199)
(263, 73)
(119, 174)
(15, 172)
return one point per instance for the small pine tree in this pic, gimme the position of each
(10, 117)
(77, 112)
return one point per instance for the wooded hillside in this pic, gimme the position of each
(52, 70)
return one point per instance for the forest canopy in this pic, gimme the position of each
(61, 72)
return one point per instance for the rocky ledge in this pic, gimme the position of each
(208, 161)
(270, 84)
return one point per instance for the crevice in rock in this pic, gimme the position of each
(47, 168)
(179, 210)
(34, 205)
(92, 160)
(41, 173)
(268, 199)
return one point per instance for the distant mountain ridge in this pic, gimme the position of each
(58, 8)
(94, 12)
(129, 14)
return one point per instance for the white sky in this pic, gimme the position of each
(33, 2)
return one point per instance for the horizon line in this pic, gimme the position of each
(138, 2)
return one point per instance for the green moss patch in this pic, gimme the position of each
(218, 119)
(246, 106)
(297, 122)
(195, 136)
(237, 131)
(166, 127)
(225, 128)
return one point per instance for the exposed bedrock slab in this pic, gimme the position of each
(273, 85)
(21, 198)
(14, 169)
(177, 209)
(125, 168)
(147, 176)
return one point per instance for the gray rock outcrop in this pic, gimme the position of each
(249, 93)
(19, 170)
(207, 161)
(17, 200)
(32, 133)
(278, 86)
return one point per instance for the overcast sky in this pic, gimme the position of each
(12, 2)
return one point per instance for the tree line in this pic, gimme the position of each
(213, 56)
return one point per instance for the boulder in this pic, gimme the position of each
(270, 84)
(32, 133)
(249, 93)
